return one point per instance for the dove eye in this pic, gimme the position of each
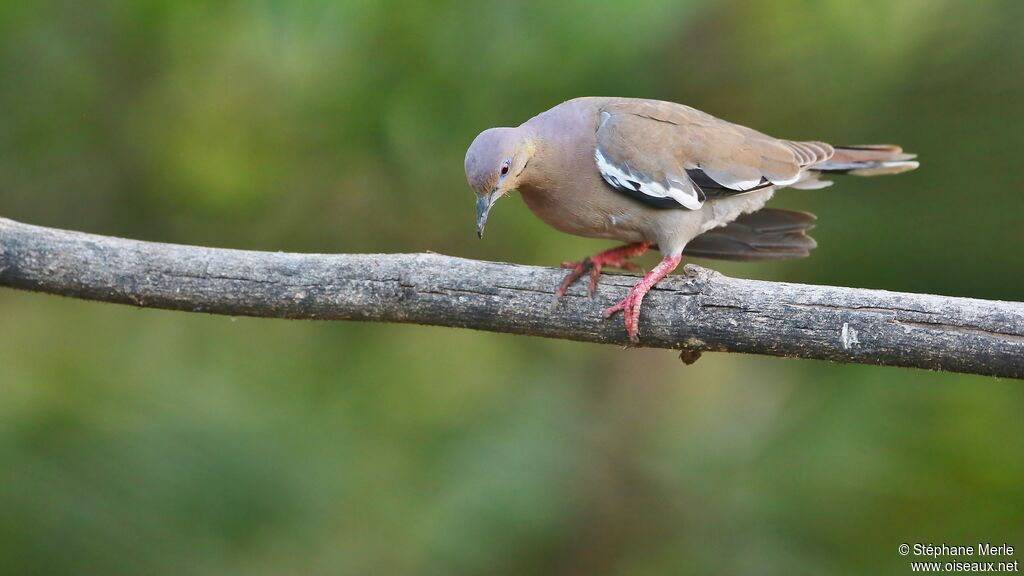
(504, 167)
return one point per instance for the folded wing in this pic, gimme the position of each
(672, 156)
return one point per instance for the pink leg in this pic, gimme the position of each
(630, 305)
(616, 257)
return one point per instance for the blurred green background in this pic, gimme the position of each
(149, 442)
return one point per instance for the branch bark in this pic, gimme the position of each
(697, 312)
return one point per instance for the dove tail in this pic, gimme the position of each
(868, 160)
(768, 234)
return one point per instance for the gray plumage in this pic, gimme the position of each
(652, 173)
(768, 234)
(667, 150)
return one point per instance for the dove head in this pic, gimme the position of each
(494, 164)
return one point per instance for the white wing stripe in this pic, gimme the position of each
(679, 190)
(730, 181)
(781, 182)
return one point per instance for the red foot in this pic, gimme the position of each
(630, 305)
(616, 258)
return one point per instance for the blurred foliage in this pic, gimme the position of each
(165, 443)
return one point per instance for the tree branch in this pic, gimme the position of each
(701, 311)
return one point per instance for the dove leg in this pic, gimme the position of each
(630, 305)
(616, 258)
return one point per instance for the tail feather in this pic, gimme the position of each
(769, 234)
(774, 234)
(868, 160)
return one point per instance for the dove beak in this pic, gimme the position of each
(483, 207)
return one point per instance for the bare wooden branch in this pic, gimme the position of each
(700, 311)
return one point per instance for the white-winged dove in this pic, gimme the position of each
(654, 173)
